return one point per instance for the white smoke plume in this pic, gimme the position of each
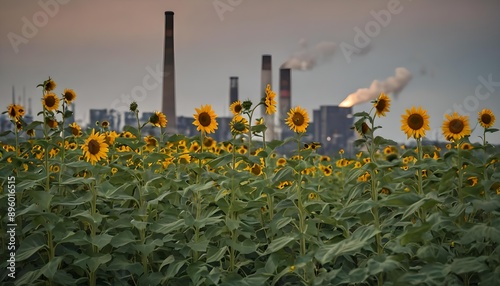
(392, 85)
(308, 58)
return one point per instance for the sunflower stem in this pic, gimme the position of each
(421, 211)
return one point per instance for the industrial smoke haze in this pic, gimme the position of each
(393, 84)
(307, 58)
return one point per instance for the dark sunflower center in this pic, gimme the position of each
(486, 118)
(68, 96)
(94, 147)
(456, 126)
(74, 131)
(207, 143)
(238, 108)
(255, 170)
(205, 119)
(50, 101)
(364, 128)
(298, 119)
(415, 121)
(12, 112)
(381, 104)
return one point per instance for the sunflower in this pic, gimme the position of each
(382, 105)
(467, 146)
(486, 118)
(151, 142)
(455, 126)
(209, 142)
(415, 122)
(50, 101)
(51, 123)
(255, 169)
(204, 119)
(69, 95)
(49, 85)
(75, 129)
(15, 111)
(236, 107)
(105, 124)
(158, 119)
(298, 119)
(270, 101)
(281, 162)
(239, 125)
(95, 148)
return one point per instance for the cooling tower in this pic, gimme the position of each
(233, 89)
(266, 78)
(168, 103)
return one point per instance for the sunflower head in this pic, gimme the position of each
(105, 124)
(133, 107)
(69, 95)
(75, 129)
(95, 148)
(382, 105)
(158, 119)
(270, 101)
(298, 119)
(455, 126)
(52, 123)
(236, 107)
(49, 85)
(239, 125)
(50, 101)
(415, 122)
(204, 119)
(486, 118)
(15, 111)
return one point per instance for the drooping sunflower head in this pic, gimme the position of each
(270, 101)
(455, 126)
(298, 119)
(76, 130)
(52, 123)
(15, 111)
(49, 85)
(158, 119)
(415, 122)
(50, 101)
(486, 118)
(95, 148)
(69, 95)
(236, 107)
(382, 105)
(239, 125)
(105, 124)
(204, 119)
(209, 142)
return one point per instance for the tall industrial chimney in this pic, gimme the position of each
(168, 104)
(285, 100)
(267, 78)
(233, 89)
(13, 95)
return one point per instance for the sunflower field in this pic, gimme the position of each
(106, 207)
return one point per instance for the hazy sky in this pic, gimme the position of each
(107, 50)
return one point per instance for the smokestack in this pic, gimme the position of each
(29, 107)
(233, 89)
(285, 94)
(168, 104)
(13, 95)
(266, 78)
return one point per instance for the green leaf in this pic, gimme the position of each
(166, 228)
(196, 270)
(215, 254)
(279, 223)
(28, 278)
(279, 243)
(50, 269)
(123, 238)
(358, 239)
(174, 268)
(200, 245)
(414, 233)
(29, 246)
(101, 240)
(468, 265)
(167, 261)
(94, 262)
(232, 224)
